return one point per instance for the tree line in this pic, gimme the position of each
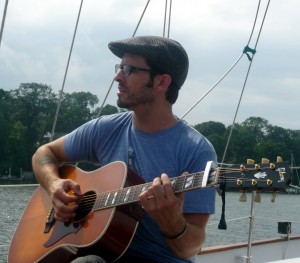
(27, 116)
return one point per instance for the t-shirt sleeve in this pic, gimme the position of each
(201, 200)
(78, 144)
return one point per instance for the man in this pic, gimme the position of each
(153, 142)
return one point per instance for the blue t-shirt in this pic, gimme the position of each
(173, 151)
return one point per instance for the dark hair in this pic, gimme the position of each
(172, 92)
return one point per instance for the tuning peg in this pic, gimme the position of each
(243, 168)
(265, 160)
(257, 197)
(279, 159)
(250, 161)
(273, 197)
(243, 197)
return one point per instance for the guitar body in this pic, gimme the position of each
(106, 232)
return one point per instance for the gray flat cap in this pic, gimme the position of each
(166, 55)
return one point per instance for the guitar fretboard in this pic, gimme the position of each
(131, 194)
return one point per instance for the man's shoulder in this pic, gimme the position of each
(117, 118)
(192, 133)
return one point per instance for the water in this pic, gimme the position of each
(12, 204)
(266, 214)
(266, 218)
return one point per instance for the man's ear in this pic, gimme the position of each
(162, 82)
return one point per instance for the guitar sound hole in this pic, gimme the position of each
(85, 204)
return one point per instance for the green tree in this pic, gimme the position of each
(238, 141)
(18, 146)
(76, 108)
(6, 113)
(214, 132)
(295, 146)
(108, 110)
(211, 127)
(257, 126)
(277, 142)
(33, 106)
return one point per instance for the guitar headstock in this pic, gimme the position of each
(262, 177)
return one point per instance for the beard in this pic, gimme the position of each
(130, 99)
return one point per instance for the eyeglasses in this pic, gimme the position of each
(128, 69)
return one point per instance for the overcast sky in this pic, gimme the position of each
(37, 38)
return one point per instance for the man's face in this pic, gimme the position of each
(135, 87)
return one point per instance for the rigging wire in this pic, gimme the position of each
(197, 102)
(294, 167)
(65, 76)
(234, 64)
(169, 23)
(141, 18)
(110, 87)
(246, 49)
(3, 20)
(165, 18)
(169, 20)
(222, 223)
(247, 75)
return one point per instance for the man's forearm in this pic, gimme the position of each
(45, 166)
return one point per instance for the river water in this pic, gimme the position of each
(266, 217)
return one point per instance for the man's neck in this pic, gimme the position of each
(154, 119)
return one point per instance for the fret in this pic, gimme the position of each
(144, 187)
(138, 189)
(178, 184)
(198, 179)
(127, 194)
(119, 196)
(97, 202)
(189, 182)
(107, 199)
(114, 198)
(101, 200)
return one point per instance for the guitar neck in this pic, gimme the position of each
(260, 177)
(179, 184)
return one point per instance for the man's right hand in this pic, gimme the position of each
(65, 194)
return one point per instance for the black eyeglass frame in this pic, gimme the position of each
(130, 69)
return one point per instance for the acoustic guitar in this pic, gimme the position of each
(109, 210)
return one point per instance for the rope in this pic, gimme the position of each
(3, 20)
(65, 76)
